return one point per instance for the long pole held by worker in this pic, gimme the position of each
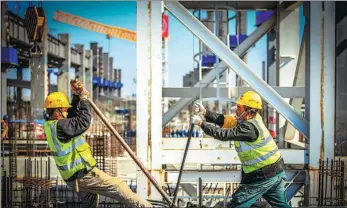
(131, 153)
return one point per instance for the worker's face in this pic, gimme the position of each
(60, 113)
(241, 111)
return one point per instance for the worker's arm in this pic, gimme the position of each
(215, 118)
(72, 111)
(76, 123)
(244, 131)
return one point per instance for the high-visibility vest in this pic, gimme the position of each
(260, 153)
(69, 157)
(4, 129)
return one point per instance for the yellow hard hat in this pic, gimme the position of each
(57, 100)
(250, 99)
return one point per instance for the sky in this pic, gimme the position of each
(123, 14)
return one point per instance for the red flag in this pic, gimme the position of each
(165, 26)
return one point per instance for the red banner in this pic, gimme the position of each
(165, 26)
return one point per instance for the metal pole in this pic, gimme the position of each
(131, 153)
(183, 162)
(200, 192)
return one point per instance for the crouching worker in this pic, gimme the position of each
(64, 128)
(262, 165)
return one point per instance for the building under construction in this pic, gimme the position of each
(302, 84)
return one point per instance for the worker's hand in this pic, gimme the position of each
(84, 94)
(76, 86)
(197, 120)
(199, 108)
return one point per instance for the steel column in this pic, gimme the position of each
(156, 77)
(148, 90)
(142, 92)
(64, 71)
(322, 86)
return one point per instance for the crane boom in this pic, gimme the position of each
(110, 31)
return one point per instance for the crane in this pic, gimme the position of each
(108, 30)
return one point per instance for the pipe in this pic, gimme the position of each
(131, 153)
(183, 162)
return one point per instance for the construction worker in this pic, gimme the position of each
(64, 128)
(262, 165)
(4, 127)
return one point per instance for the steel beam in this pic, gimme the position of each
(242, 69)
(285, 92)
(223, 156)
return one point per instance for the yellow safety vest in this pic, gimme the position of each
(260, 153)
(69, 157)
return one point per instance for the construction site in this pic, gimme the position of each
(148, 138)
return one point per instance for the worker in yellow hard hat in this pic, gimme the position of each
(4, 127)
(64, 128)
(262, 165)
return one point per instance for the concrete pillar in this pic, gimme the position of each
(89, 72)
(101, 69)
(322, 88)
(95, 69)
(110, 74)
(115, 79)
(149, 94)
(64, 71)
(82, 69)
(119, 72)
(105, 64)
(39, 78)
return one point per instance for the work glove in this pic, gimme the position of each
(76, 86)
(197, 120)
(84, 94)
(199, 108)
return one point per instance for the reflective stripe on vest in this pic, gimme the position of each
(71, 165)
(262, 158)
(76, 143)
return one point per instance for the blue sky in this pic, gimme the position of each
(123, 14)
